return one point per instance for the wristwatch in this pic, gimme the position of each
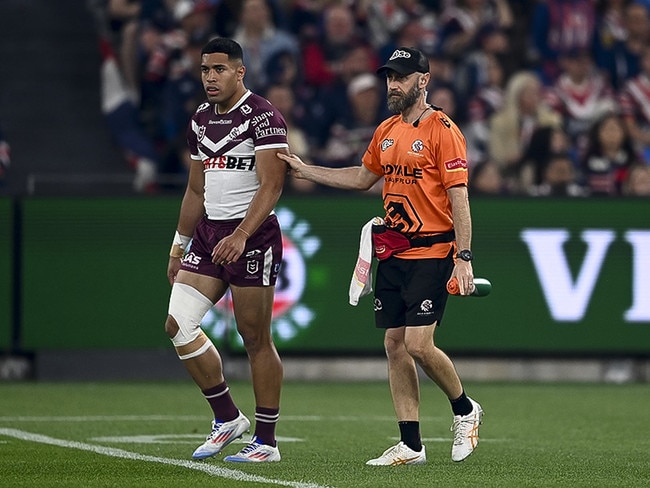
(465, 255)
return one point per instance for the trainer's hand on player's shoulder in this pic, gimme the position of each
(295, 163)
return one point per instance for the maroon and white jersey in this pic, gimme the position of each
(635, 99)
(581, 103)
(226, 143)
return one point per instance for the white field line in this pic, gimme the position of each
(210, 469)
(193, 418)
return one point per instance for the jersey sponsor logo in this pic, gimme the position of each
(203, 107)
(386, 143)
(399, 170)
(262, 119)
(201, 133)
(458, 164)
(399, 54)
(269, 131)
(220, 121)
(230, 162)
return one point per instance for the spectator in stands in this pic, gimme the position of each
(323, 57)
(609, 156)
(394, 23)
(261, 41)
(120, 109)
(474, 70)
(486, 180)
(559, 179)
(581, 94)
(637, 183)
(444, 95)
(511, 127)
(282, 97)
(560, 26)
(619, 56)
(483, 103)
(464, 20)
(183, 92)
(545, 143)
(352, 131)
(635, 105)
(329, 103)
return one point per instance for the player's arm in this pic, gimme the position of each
(462, 218)
(350, 178)
(192, 208)
(271, 173)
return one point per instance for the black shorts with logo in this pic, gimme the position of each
(411, 291)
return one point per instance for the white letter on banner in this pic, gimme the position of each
(640, 310)
(566, 300)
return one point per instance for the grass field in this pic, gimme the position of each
(142, 435)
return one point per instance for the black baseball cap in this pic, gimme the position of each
(406, 60)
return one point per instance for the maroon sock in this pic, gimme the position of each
(265, 420)
(221, 402)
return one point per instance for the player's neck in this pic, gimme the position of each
(224, 108)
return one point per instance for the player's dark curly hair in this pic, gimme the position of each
(224, 45)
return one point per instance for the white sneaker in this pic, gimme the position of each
(223, 433)
(399, 454)
(255, 452)
(465, 429)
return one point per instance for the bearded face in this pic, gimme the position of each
(399, 102)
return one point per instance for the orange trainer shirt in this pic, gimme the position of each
(419, 164)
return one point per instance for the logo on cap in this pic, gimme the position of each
(399, 54)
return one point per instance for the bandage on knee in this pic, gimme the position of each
(196, 348)
(187, 307)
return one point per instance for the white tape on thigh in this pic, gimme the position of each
(188, 307)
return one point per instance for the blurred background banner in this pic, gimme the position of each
(570, 277)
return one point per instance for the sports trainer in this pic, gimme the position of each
(234, 182)
(421, 155)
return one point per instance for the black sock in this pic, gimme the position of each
(461, 405)
(410, 434)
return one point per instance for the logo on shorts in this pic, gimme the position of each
(426, 305)
(377, 305)
(252, 267)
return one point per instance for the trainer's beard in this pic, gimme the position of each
(399, 105)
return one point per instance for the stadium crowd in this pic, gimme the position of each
(553, 96)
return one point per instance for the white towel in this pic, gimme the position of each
(361, 283)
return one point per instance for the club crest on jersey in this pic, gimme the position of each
(386, 143)
(246, 109)
(417, 146)
(201, 133)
